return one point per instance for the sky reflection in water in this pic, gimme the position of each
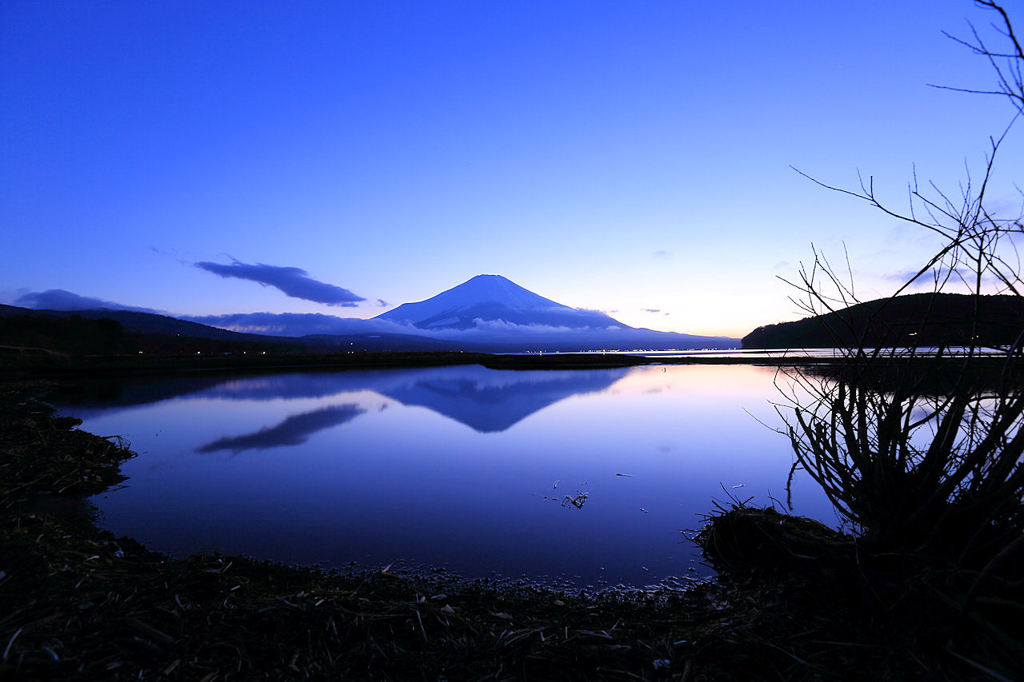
(462, 467)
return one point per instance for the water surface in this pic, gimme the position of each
(585, 475)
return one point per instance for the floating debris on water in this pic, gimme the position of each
(575, 501)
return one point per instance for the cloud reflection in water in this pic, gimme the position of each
(294, 430)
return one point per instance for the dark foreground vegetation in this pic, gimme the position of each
(794, 601)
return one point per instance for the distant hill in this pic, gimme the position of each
(131, 321)
(119, 332)
(72, 334)
(113, 332)
(914, 320)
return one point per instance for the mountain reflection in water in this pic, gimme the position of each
(488, 400)
(485, 400)
(464, 467)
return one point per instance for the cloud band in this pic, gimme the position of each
(294, 282)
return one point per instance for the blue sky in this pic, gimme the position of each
(621, 156)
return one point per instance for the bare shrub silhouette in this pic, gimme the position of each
(921, 449)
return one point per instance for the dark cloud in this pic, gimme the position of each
(382, 303)
(294, 282)
(59, 299)
(652, 310)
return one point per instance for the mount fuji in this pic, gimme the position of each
(493, 298)
(494, 313)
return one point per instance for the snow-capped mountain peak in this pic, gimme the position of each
(493, 298)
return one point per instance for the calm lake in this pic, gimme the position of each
(585, 476)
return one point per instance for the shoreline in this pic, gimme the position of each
(28, 363)
(78, 602)
(82, 602)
